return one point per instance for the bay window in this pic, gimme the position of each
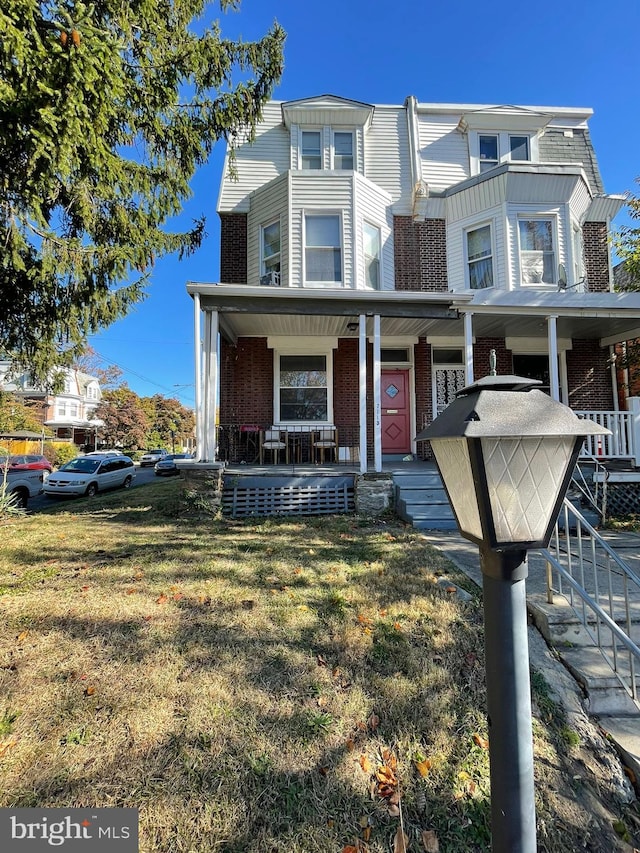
(537, 253)
(323, 248)
(480, 258)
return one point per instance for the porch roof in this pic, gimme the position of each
(248, 311)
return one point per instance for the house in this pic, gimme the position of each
(373, 257)
(69, 413)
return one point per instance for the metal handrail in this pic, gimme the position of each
(572, 565)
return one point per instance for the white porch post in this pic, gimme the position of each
(468, 348)
(362, 355)
(197, 360)
(633, 404)
(377, 403)
(554, 379)
(206, 385)
(212, 380)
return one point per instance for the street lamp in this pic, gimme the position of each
(506, 452)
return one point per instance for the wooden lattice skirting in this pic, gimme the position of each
(240, 501)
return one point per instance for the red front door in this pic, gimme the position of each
(396, 420)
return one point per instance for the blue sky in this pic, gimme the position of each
(580, 53)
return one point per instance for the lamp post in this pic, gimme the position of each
(506, 452)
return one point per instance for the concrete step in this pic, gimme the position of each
(429, 495)
(605, 693)
(411, 480)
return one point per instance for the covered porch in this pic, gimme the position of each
(446, 339)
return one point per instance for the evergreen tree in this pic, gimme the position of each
(106, 111)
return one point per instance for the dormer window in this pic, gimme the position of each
(489, 150)
(311, 149)
(342, 150)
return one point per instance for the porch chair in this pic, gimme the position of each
(324, 439)
(273, 441)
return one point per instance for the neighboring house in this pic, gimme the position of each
(372, 257)
(69, 414)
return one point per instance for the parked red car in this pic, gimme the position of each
(27, 462)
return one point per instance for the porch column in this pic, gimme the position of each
(554, 380)
(362, 385)
(468, 348)
(211, 383)
(197, 360)
(377, 402)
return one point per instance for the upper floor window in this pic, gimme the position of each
(371, 256)
(323, 248)
(311, 149)
(92, 392)
(271, 248)
(62, 408)
(537, 252)
(73, 410)
(480, 258)
(490, 149)
(342, 150)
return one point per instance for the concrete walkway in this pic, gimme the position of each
(584, 663)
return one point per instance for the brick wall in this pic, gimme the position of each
(246, 389)
(233, 248)
(424, 397)
(420, 250)
(596, 256)
(481, 357)
(589, 376)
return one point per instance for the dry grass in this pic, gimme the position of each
(241, 683)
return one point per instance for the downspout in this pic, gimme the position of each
(419, 188)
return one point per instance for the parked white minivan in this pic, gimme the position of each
(87, 475)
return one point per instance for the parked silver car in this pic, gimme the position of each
(150, 457)
(87, 475)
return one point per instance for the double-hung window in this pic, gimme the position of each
(488, 151)
(323, 248)
(303, 388)
(311, 149)
(342, 150)
(271, 248)
(480, 258)
(519, 148)
(371, 236)
(537, 253)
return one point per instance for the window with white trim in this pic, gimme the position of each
(488, 150)
(371, 238)
(323, 248)
(342, 149)
(73, 410)
(537, 251)
(303, 389)
(62, 409)
(479, 258)
(311, 149)
(270, 246)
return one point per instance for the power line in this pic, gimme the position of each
(140, 376)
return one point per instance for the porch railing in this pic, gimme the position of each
(239, 444)
(602, 590)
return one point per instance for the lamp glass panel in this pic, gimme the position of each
(524, 477)
(452, 456)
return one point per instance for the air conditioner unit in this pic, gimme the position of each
(270, 279)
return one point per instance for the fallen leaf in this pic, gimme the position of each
(22, 636)
(138, 576)
(85, 588)
(397, 626)
(430, 841)
(350, 745)
(401, 841)
(178, 596)
(394, 811)
(482, 742)
(374, 721)
(389, 758)
(423, 767)
(365, 763)
(349, 848)
(89, 690)
(7, 743)
(386, 776)
(321, 661)
(162, 599)
(366, 833)
(323, 770)
(130, 591)
(383, 612)
(147, 618)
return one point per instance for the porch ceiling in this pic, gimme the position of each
(247, 311)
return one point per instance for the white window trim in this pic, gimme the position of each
(475, 227)
(504, 147)
(263, 227)
(322, 284)
(344, 130)
(319, 346)
(320, 131)
(546, 217)
(378, 228)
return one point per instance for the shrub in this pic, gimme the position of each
(64, 453)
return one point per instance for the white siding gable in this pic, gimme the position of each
(444, 151)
